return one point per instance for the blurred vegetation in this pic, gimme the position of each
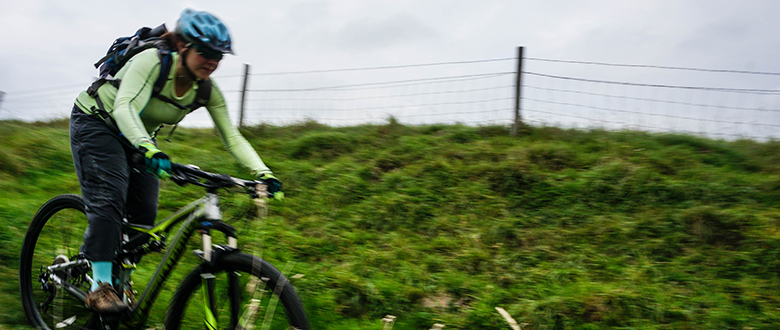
(565, 229)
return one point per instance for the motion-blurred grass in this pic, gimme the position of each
(564, 229)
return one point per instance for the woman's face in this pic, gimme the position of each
(201, 64)
(202, 67)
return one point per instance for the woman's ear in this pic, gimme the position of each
(181, 46)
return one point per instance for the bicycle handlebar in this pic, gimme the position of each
(191, 174)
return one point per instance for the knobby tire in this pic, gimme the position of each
(291, 315)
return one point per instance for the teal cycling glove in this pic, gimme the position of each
(274, 185)
(156, 161)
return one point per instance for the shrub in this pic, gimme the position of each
(554, 158)
(714, 227)
(9, 164)
(463, 136)
(508, 178)
(326, 145)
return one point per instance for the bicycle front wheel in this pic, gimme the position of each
(245, 295)
(51, 298)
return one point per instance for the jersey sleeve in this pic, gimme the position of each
(234, 142)
(135, 91)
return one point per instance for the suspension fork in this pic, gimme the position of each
(213, 221)
(208, 280)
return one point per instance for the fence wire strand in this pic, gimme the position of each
(653, 67)
(717, 89)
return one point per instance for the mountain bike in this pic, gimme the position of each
(229, 289)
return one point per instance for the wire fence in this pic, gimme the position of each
(482, 98)
(718, 103)
(707, 110)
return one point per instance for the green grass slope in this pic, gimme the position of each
(564, 229)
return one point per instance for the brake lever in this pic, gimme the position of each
(183, 179)
(179, 180)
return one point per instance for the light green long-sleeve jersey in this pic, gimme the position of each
(138, 114)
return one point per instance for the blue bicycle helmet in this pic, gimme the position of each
(202, 28)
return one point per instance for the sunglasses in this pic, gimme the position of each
(208, 53)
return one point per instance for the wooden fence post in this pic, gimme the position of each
(518, 92)
(243, 95)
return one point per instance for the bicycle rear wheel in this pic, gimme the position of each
(247, 290)
(55, 236)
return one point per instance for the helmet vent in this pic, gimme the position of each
(200, 33)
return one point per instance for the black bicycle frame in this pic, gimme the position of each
(203, 215)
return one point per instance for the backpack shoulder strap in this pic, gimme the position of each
(203, 96)
(166, 63)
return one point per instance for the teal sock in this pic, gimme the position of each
(101, 272)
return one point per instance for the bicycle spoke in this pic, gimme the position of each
(256, 287)
(58, 308)
(269, 314)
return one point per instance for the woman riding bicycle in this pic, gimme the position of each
(114, 184)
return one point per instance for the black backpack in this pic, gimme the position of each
(125, 48)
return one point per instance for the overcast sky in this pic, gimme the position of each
(53, 44)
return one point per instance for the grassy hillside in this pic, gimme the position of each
(564, 229)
